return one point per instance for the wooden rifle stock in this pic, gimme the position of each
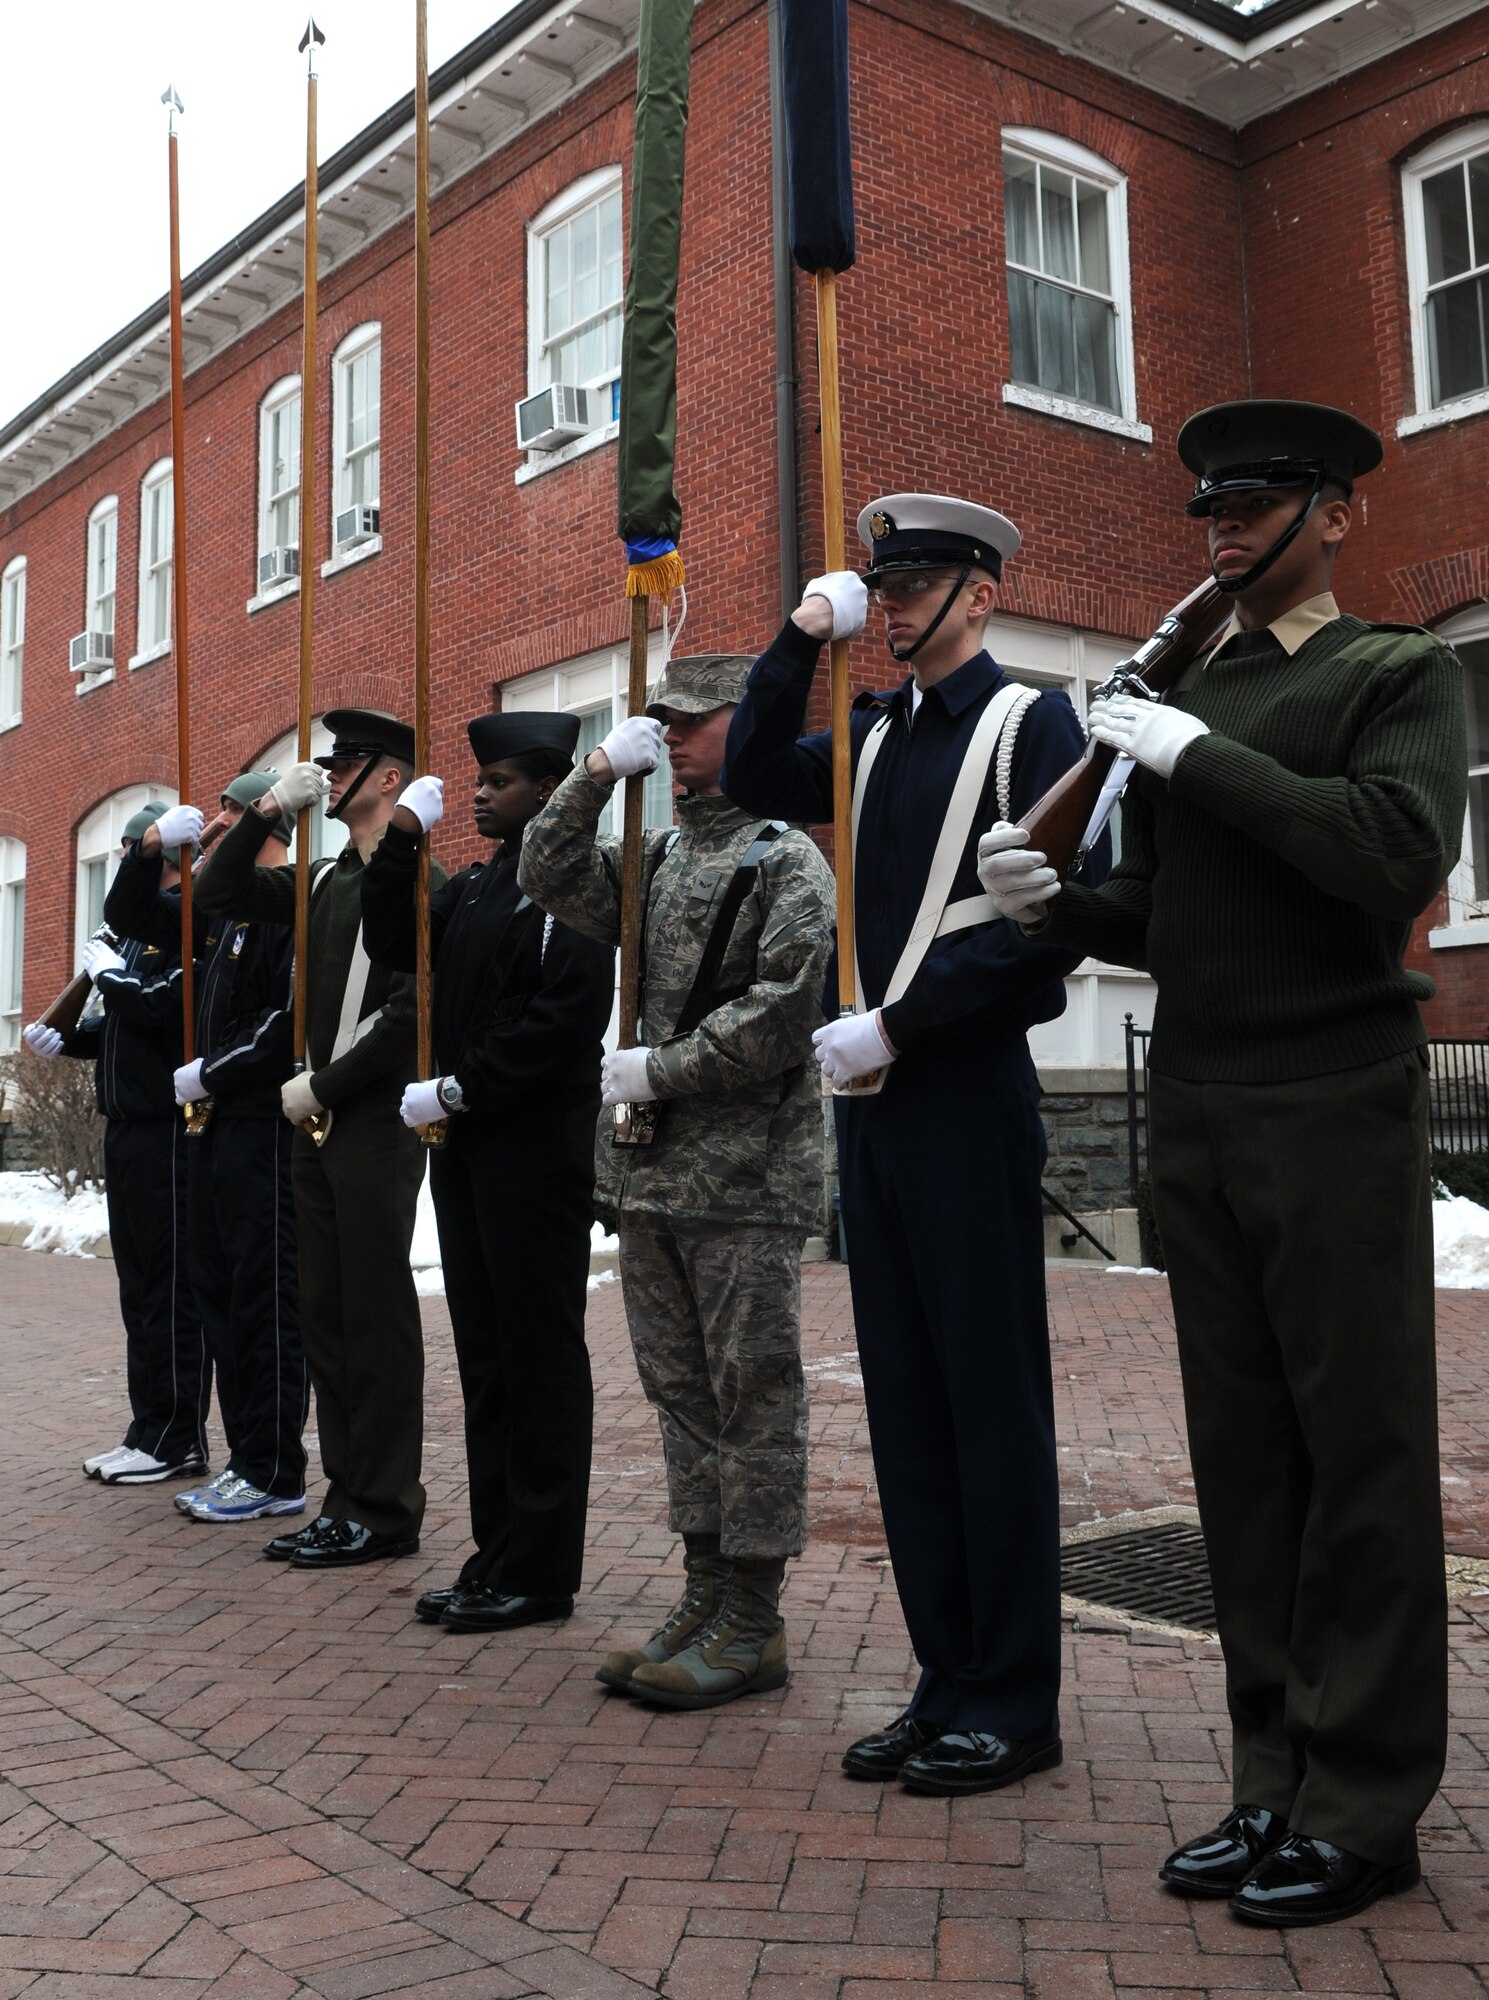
(67, 1009)
(1057, 823)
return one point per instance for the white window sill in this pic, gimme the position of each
(362, 552)
(289, 588)
(1452, 936)
(151, 653)
(88, 682)
(10, 722)
(1446, 413)
(539, 462)
(1096, 419)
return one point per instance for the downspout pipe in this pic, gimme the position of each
(785, 329)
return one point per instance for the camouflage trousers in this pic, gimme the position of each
(715, 1317)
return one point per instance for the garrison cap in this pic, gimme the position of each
(251, 785)
(932, 531)
(523, 732)
(698, 683)
(367, 732)
(1243, 446)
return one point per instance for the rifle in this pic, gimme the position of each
(1066, 823)
(67, 1009)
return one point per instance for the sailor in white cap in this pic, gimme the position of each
(940, 1171)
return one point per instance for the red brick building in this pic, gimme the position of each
(1075, 227)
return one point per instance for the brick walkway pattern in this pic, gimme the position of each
(220, 1777)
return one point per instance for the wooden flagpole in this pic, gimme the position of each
(197, 1112)
(834, 549)
(633, 812)
(434, 1133)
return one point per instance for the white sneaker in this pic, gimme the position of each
(184, 1502)
(94, 1466)
(139, 1468)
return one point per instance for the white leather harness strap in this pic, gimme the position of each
(350, 1028)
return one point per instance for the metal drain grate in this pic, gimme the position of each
(1159, 1573)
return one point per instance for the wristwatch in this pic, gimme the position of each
(451, 1096)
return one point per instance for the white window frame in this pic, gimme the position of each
(103, 526)
(327, 836)
(1451, 150)
(281, 396)
(1050, 150)
(587, 192)
(1468, 915)
(12, 940)
(157, 494)
(12, 641)
(361, 341)
(100, 836)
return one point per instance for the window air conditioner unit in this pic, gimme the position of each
(92, 650)
(354, 525)
(555, 416)
(279, 565)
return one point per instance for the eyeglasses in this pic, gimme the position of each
(910, 583)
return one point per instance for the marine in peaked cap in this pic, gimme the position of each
(1299, 800)
(520, 1005)
(947, 1267)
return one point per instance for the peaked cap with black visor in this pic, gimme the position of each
(369, 733)
(1250, 445)
(910, 531)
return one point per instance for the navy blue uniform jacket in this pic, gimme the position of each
(989, 981)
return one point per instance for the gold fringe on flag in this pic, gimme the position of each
(657, 578)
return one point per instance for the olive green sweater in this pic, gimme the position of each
(1270, 885)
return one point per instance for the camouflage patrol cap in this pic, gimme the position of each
(698, 683)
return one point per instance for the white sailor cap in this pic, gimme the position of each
(933, 531)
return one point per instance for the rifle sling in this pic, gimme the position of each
(704, 996)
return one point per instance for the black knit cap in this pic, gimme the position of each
(1241, 447)
(368, 732)
(494, 737)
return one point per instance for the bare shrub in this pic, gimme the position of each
(53, 1103)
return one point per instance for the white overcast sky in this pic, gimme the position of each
(83, 144)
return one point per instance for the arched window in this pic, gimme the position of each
(576, 292)
(12, 639)
(1069, 305)
(157, 551)
(279, 485)
(12, 939)
(356, 397)
(327, 836)
(1445, 200)
(99, 844)
(93, 648)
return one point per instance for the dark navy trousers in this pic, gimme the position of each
(940, 1180)
(167, 1363)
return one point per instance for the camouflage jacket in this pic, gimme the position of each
(740, 1137)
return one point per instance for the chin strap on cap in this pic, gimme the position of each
(1234, 584)
(375, 757)
(910, 651)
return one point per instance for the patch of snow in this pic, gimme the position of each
(1132, 1270)
(51, 1219)
(836, 1368)
(602, 1278)
(598, 1240)
(1460, 1235)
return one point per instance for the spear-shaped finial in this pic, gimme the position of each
(310, 40)
(170, 97)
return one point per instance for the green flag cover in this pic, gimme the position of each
(650, 516)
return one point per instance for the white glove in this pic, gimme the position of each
(1149, 731)
(852, 1046)
(845, 592)
(45, 1041)
(179, 826)
(302, 785)
(100, 957)
(1013, 872)
(188, 1081)
(632, 748)
(297, 1100)
(425, 799)
(623, 1078)
(421, 1105)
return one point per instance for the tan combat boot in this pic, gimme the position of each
(707, 1575)
(741, 1650)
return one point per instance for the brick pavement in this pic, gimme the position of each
(219, 1777)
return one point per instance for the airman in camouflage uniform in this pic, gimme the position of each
(712, 1214)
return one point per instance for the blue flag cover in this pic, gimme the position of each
(819, 151)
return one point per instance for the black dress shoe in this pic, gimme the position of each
(1218, 1862)
(481, 1609)
(881, 1756)
(284, 1546)
(974, 1760)
(1308, 1881)
(433, 1605)
(348, 1542)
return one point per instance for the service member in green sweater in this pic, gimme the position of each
(355, 1195)
(1298, 801)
